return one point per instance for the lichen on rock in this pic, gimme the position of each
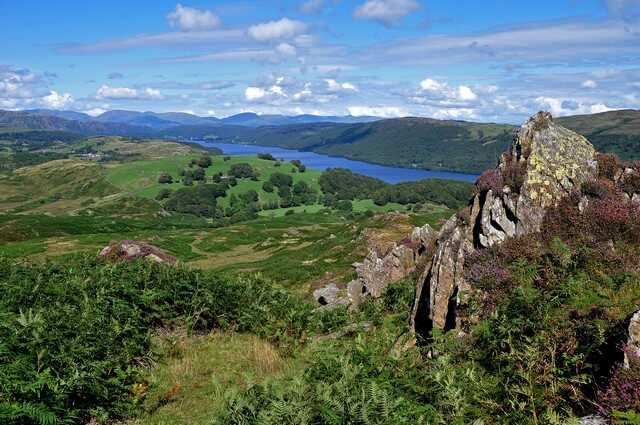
(546, 162)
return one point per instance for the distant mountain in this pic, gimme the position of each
(67, 115)
(250, 119)
(39, 121)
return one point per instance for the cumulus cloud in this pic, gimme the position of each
(387, 12)
(283, 29)
(191, 19)
(255, 94)
(55, 100)
(436, 90)
(589, 84)
(94, 112)
(334, 86)
(116, 93)
(562, 107)
(377, 111)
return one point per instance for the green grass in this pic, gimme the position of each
(192, 384)
(141, 177)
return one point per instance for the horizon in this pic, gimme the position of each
(379, 58)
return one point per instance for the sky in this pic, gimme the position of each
(489, 60)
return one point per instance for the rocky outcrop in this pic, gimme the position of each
(377, 271)
(545, 163)
(128, 250)
(380, 268)
(633, 343)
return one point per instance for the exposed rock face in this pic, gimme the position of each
(380, 268)
(131, 250)
(545, 163)
(633, 344)
(377, 271)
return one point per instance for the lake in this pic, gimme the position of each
(322, 162)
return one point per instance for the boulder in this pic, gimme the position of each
(633, 343)
(545, 163)
(129, 250)
(330, 295)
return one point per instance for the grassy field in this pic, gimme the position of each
(141, 177)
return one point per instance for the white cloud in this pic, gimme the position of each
(107, 92)
(563, 107)
(436, 90)
(285, 28)
(377, 111)
(465, 93)
(94, 112)
(286, 49)
(190, 19)
(303, 94)
(432, 85)
(589, 84)
(55, 100)
(454, 113)
(386, 12)
(254, 94)
(334, 86)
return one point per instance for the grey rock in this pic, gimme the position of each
(633, 343)
(128, 250)
(546, 162)
(331, 295)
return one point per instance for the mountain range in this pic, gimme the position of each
(409, 142)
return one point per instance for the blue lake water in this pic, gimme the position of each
(322, 162)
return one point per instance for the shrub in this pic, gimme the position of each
(76, 333)
(608, 165)
(490, 180)
(163, 194)
(598, 188)
(513, 173)
(631, 182)
(165, 178)
(623, 390)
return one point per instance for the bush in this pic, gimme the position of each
(608, 165)
(490, 180)
(199, 200)
(163, 194)
(623, 390)
(165, 178)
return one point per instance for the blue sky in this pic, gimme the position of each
(490, 60)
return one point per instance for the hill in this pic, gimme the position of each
(407, 142)
(39, 121)
(614, 131)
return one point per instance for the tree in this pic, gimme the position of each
(268, 186)
(348, 185)
(163, 194)
(344, 206)
(281, 180)
(303, 194)
(204, 161)
(266, 156)
(299, 165)
(198, 174)
(242, 171)
(165, 178)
